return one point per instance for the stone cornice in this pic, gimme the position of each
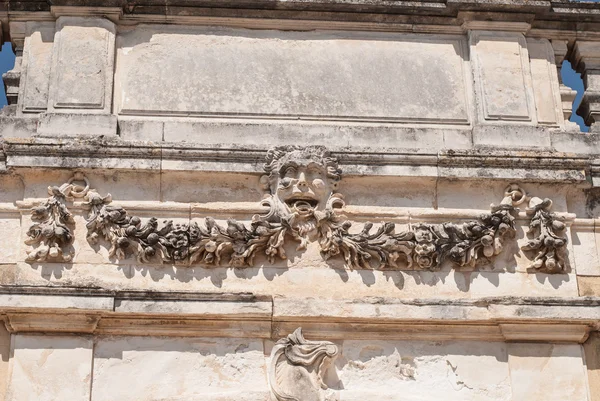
(519, 164)
(552, 19)
(95, 311)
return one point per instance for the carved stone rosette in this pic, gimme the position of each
(297, 367)
(50, 234)
(547, 237)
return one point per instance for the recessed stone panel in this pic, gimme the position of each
(544, 76)
(311, 75)
(37, 58)
(83, 64)
(502, 77)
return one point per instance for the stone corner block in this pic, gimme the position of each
(511, 136)
(576, 142)
(77, 124)
(16, 127)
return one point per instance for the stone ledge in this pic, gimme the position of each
(244, 315)
(505, 164)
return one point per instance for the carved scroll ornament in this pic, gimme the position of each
(300, 185)
(548, 237)
(50, 235)
(297, 367)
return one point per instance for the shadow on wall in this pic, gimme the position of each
(569, 76)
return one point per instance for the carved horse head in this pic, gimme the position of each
(297, 366)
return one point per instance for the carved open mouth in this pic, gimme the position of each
(302, 204)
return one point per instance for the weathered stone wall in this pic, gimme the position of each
(182, 187)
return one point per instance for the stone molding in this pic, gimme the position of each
(303, 205)
(71, 310)
(574, 159)
(554, 18)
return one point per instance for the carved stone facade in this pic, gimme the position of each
(299, 201)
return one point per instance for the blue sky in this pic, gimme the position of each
(570, 78)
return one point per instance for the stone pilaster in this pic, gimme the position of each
(502, 76)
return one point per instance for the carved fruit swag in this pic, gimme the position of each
(303, 205)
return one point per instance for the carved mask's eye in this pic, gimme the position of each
(285, 182)
(290, 172)
(315, 172)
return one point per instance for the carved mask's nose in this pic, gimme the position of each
(302, 181)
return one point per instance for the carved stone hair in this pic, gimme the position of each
(279, 156)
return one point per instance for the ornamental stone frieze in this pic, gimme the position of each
(304, 206)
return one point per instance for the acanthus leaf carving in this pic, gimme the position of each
(297, 368)
(51, 235)
(548, 237)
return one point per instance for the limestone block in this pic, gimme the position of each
(592, 361)
(544, 76)
(141, 130)
(63, 124)
(547, 372)
(576, 143)
(4, 360)
(389, 191)
(585, 251)
(506, 136)
(332, 135)
(181, 71)
(7, 273)
(14, 127)
(588, 286)
(400, 371)
(489, 284)
(153, 368)
(502, 77)
(35, 75)
(48, 368)
(82, 65)
(41, 301)
(454, 194)
(300, 281)
(10, 229)
(215, 187)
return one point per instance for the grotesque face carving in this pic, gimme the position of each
(301, 179)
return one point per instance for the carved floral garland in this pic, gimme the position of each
(426, 246)
(548, 239)
(50, 235)
(422, 246)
